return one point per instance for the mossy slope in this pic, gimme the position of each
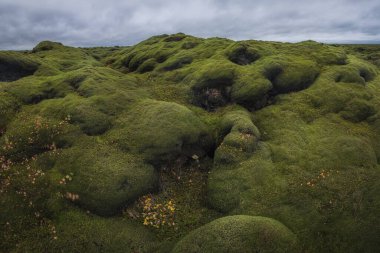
(288, 131)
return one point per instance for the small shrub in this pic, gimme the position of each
(156, 212)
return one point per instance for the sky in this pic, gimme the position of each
(86, 23)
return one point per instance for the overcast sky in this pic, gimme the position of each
(23, 23)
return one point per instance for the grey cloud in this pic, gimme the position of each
(23, 23)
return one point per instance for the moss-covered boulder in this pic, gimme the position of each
(242, 53)
(239, 178)
(211, 85)
(240, 138)
(38, 91)
(161, 131)
(355, 73)
(85, 113)
(240, 233)
(103, 178)
(28, 135)
(14, 66)
(46, 46)
(288, 75)
(251, 90)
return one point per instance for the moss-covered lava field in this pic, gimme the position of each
(183, 144)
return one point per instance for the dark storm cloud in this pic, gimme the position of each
(23, 23)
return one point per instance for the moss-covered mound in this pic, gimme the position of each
(212, 84)
(240, 233)
(14, 66)
(242, 54)
(46, 46)
(161, 131)
(90, 233)
(31, 135)
(240, 138)
(103, 178)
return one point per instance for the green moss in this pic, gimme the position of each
(147, 66)
(29, 135)
(104, 178)
(356, 72)
(86, 113)
(175, 37)
(161, 131)
(214, 74)
(38, 91)
(348, 152)
(137, 60)
(80, 232)
(14, 66)
(242, 172)
(46, 46)
(251, 90)
(349, 74)
(189, 44)
(323, 54)
(293, 75)
(8, 108)
(57, 57)
(242, 54)
(240, 233)
(212, 84)
(358, 110)
(177, 62)
(240, 137)
(313, 165)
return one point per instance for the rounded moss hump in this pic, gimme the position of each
(14, 66)
(46, 46)
(240, 233)
(251, 91)
(103, 179)
(211, 85)
(161, 131)
(242, 54)
(30, 135)
(240, 138)
(291, 75)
